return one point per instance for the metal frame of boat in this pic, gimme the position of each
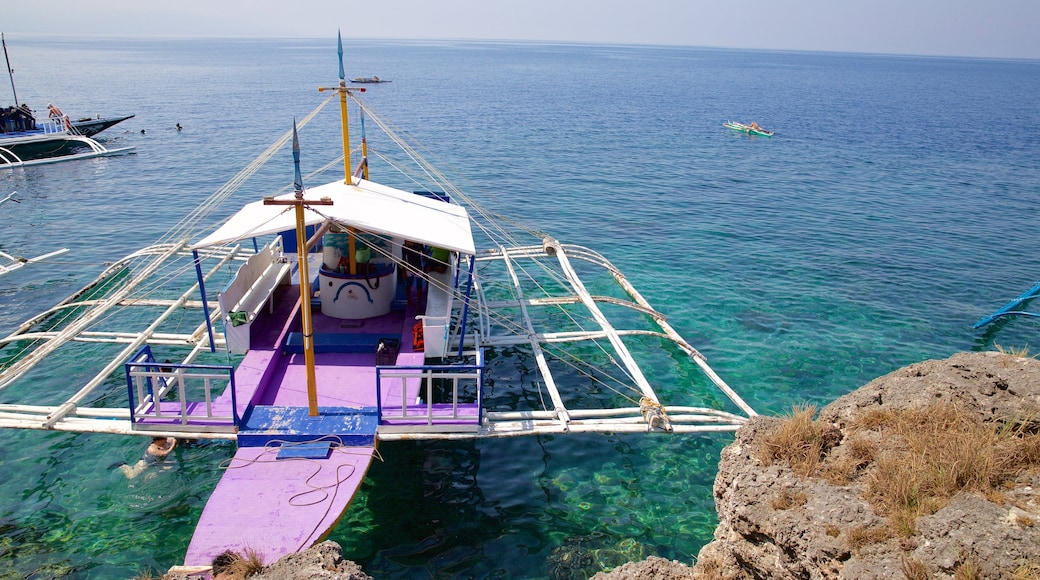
(323, 367)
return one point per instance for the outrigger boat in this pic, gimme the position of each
(25, 140)
(748, 129)
(368, 313)
(49, 141)
(1012, 308)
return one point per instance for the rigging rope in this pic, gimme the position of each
(488, 222)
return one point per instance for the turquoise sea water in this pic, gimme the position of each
(895, 205)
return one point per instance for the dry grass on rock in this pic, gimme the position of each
(910, 461)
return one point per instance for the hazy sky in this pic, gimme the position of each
(985, 28)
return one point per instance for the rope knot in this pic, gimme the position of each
(654, 414)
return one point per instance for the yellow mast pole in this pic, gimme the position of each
(305, 286)
(348, 177)
(364, 146)
(305, 304)
(351, 242)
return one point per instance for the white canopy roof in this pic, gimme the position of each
(367, 206)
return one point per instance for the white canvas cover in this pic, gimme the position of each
(367, 206)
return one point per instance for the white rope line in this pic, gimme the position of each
(186, 226)
(583, 367)
(556, 275)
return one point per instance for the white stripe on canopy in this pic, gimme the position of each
(367, 206)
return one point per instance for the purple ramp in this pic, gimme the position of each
(276, 506)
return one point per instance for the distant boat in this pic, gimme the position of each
(1013, 308)
(368, 80)
(752, 129)
(48, 141)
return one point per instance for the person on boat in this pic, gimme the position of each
(157, 450)
(54, 112)
(24, 117)
(754, 126)
(414, 255)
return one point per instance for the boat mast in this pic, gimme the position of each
(348, 179)
(364, 146)
(10, 71)
(301, 253)
(348, 176)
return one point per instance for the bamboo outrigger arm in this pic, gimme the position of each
(553, 247)
(78, 331)
(561, 413)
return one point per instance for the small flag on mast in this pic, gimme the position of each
(298, 180)
(339, 41)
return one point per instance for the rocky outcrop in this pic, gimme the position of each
(777, 523)
(653, 568)
(323, 561)
(774, 523)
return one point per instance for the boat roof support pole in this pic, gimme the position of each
(465, 303)
(205, 304)
(536, 347)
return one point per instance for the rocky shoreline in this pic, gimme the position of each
(781, 517)
(777, 523)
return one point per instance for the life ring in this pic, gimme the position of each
(418, 344)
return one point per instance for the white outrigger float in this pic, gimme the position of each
(325, 369)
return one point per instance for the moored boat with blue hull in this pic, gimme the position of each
(1013, 308)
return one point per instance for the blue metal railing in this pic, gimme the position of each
(193, 407)
(426, 412)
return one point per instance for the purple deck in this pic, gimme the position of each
(269, 377)
(276, 506)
